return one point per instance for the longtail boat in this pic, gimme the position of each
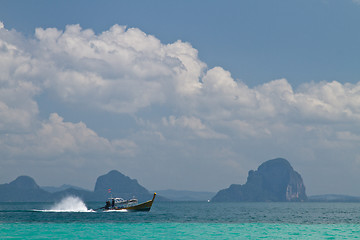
(131, 205)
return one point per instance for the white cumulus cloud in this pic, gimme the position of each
(178, 105)
(121, 70)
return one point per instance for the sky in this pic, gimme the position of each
(186, 95)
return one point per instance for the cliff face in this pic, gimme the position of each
(274, 180)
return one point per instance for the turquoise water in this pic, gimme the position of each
(178, 231)
(182, 220)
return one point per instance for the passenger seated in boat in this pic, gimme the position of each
(107, 205)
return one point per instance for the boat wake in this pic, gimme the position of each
(120, 210)
(69, 204)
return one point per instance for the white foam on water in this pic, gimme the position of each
(69, 204)
(120, 210)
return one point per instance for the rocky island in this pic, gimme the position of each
(25, 189)
(274, 180)
(117, 184)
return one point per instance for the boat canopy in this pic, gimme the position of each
(123, 201)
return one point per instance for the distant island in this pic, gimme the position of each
(274, 180)
(183, 195)
(25, 189)
(333, 198)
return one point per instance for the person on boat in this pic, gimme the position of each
(113, 203)
(107, 205)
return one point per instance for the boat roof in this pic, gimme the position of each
(123, 201)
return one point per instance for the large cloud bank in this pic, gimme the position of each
(205, 126)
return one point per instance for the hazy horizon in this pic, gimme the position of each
(180, 95)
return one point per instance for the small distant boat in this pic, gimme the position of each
(118, 204)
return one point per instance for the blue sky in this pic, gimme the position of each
(180, 94)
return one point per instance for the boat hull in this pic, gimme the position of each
(142, 207)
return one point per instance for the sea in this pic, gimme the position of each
(71, 218)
